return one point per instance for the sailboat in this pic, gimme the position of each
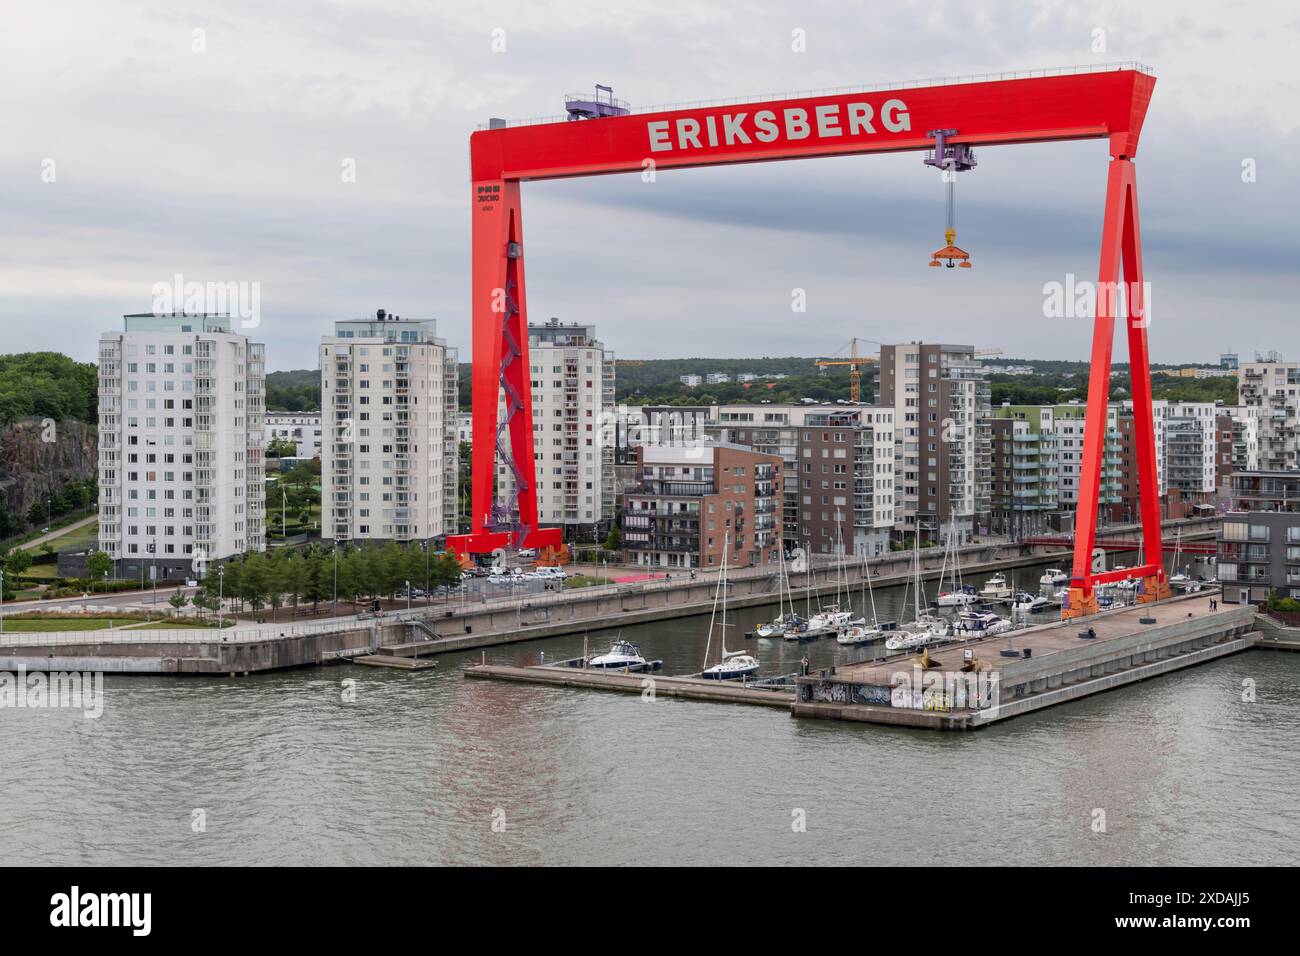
(859, 632)
(783, 621)
(958, 595)
(831, 619)
(1181, 580)
(814, 625)
(734, 664)
(925, 628)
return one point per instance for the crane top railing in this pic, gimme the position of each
(840, 90)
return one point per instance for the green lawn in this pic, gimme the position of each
(585, 581)
(78, 539)
(45, 624)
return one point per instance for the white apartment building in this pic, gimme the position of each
(574, 425)
(1270, 386)
(1068, 421)
(301, 428)
(1186, 445)
(181, 418)
(690, 381)
(389, 400)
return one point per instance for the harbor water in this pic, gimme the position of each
(357, 766)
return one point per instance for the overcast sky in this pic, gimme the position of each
(224, 164)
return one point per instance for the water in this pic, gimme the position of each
(414, 771)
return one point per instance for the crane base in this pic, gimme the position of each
(485, 542)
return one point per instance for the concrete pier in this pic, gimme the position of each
(689, 688)
(1060, 666)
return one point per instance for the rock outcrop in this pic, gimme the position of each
(38, 457)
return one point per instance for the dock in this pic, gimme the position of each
(397, 663)
(686, 688)
(970, 684)
(1016, 673)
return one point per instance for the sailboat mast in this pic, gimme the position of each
(726, 546)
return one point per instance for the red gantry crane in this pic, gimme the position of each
(944, 118)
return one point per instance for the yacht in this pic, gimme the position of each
(960, 597)
(830, 620)
(979, 624)
(957, 594)
(1054, 576)
(1031, 603)
(734, 665)
(622, 655)
(781, 626)
(867, 634)
(996, 587)
(777, 627)
(909, 640)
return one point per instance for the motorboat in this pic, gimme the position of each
(979, 624)
(1031, 603)
(1054, 576)
(996, 587)
(622, 655)
(958, 597)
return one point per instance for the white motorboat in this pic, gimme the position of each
(979, 624)
(1054, 576)
(1031, 603)
(996, 587)
(622, 655)
(734, 665)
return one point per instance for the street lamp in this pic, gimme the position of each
(221, 592)
(2, 601)
(336, 579)
(408, 595)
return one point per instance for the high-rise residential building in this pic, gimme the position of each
(389, 399)
(1025, 465)
(1270, 385)
(574, 428)
(688, 501)
(1189, 447)
(943, 441)
(181, 419)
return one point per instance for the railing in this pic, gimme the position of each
(871, 88)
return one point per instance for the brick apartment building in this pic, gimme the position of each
(686, 500)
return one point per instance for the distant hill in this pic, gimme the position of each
(295, 391)
(657, 382)
(48, 385)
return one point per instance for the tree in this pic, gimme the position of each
(98, 565)
(18, 561)
(614, 540)
(178, 599)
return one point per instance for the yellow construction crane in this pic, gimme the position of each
(853, 361)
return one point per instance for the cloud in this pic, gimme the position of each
(225, 165)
